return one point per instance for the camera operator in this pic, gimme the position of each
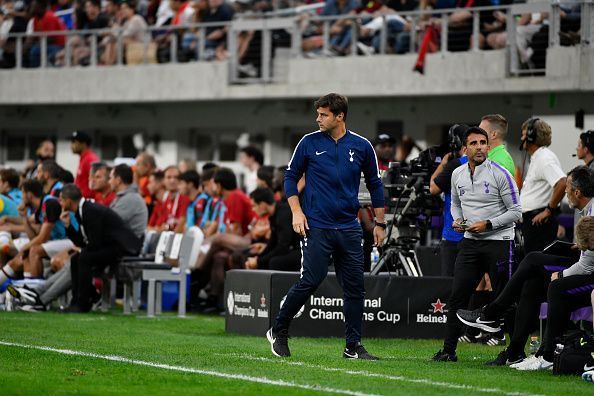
(543, 187)
(441, 181)
(485, 205)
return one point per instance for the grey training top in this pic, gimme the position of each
(130, 206)
(488, 194)
(585, 265)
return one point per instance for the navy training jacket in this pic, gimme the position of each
(332, 176)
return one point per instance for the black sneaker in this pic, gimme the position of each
(478, 320)
(442, 356)
(505, 359)
(279, 343)
(358, 352)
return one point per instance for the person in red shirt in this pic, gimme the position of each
(81, 145)
(175, 203)
(156, 189)
(44, 20)
(99, 183)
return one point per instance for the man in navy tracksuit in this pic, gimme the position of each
(332, 160)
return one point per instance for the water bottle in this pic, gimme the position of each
(374, 257)
(5, 239)
(534, 345)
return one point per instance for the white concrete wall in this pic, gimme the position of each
(568, 69)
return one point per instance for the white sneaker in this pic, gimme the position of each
(529, 360)
(538, 363)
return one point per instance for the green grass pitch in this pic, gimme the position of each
(133, 355)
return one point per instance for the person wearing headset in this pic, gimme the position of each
(585, 148)
(543, 187)
(441, 181)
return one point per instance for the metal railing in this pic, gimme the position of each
(417, 23)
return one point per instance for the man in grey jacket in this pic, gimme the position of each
(485, 204)
(529, 283)
(128, 203)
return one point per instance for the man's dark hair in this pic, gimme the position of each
(587, 139)
(158, 175)
(52, 168)
(335, 102)
(124, 172)
(253, 152)
(191, 177)
(10, 176)
(33, 186)
(208, 174)
(71, 191)
(66, 176)
(475, 131)
(226, 178)
(262, 194)
(208, 165)
(96, 3)
(582, 178)
(95, 166)
(266, 173)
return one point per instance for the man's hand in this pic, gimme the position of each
(65, 218)
(378, 236)
(300, 223)
(22, 209)
(554, 276)
(251, 263)
(542, 217)
(479, 226)
(257, 248)
(457, 225)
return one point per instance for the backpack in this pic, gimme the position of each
(577, 355)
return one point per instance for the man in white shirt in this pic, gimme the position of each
(543, 187)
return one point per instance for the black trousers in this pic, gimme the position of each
(319, 247)
(448, 251)
(474, 259)
(527, 287)
(564, 296)
(83, 267)
(537, 237)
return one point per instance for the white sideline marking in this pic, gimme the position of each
(241, 377)
(382, 376)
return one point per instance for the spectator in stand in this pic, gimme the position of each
(367, 10)
(106, 238)
(252, 159)
(111, 10)
(385, 150)
(45, 151)
(46, 227)
(66, 17)
(81, 145)
(313, 39)
(144, 167)
(133, 31)
(49, 175)
(543, 187)
(191, 36)
(216, 36)
(9, 185)
(282, 251)
(182, 16)
(128, 203)
(585, 148)
(157, 190)
(81, 45)
(44, 20)
(190, 186)
(99, 183)
(13, 19)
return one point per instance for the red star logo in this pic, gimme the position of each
(438, 306)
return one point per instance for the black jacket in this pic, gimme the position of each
(103, 228)
(282, 237)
